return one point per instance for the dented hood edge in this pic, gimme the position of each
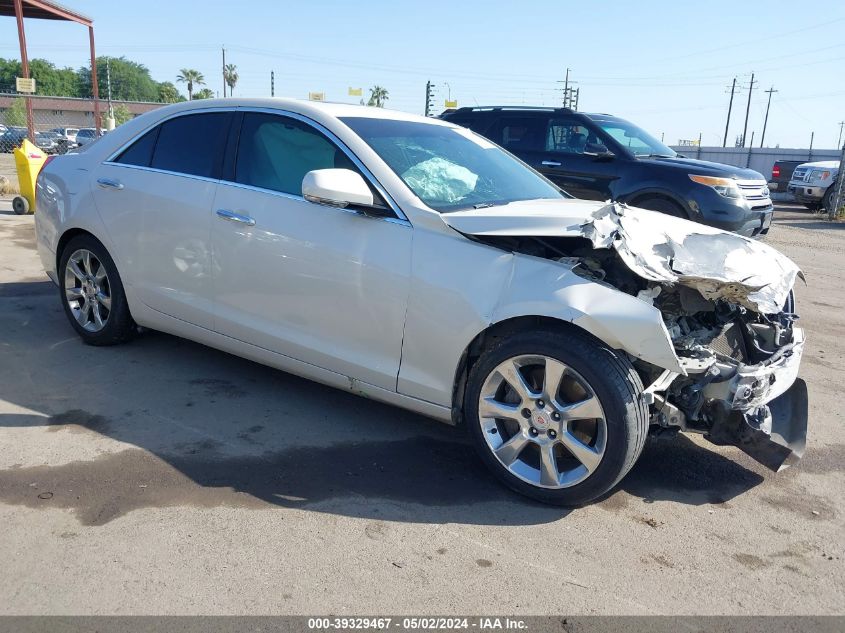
(656, 247)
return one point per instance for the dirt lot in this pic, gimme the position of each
(164, 477)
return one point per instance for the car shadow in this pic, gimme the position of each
(200, 427)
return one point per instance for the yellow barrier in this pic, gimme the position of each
(28, 160)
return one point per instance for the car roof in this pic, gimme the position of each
(315, 109)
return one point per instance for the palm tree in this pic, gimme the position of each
(205, 93)
(378, 96)
(230, 76)
(190, 77)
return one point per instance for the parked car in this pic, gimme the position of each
(67, 138)
(603, 157)
(416, 263)
(812, 184)
(12, 138)
(48, 142)
(781, 175)
(87, 135)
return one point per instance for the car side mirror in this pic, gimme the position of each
(336, 188)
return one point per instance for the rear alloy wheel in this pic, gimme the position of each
(557, 416)
(92, 293)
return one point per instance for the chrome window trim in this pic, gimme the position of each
(163, 171)
(401, 218)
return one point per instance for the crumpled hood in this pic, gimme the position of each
(655, 246)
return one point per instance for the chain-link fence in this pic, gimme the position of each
(58, 125)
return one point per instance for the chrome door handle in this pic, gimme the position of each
(107, 183)
(550, 163)
(231, 216)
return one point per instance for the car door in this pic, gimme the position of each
(320, 284)
(155, 199)
(563, 149)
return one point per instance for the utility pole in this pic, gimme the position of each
(429, 98)
(272, 83)
(748, 108)
(730, 107)
(224, 72)
(766, 120)
(812, 136)
(839, 142)
(108, 83)
(566, 90)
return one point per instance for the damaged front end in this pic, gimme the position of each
(728, 305)
(726, 302)
(741, 384)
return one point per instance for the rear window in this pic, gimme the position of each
(192, 144)
(141, 151)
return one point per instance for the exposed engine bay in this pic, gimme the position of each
(731, 323)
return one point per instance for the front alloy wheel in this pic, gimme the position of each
(555, 414)
(542, 421)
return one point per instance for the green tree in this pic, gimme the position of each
(190, 77)
(16, 113)
(121, 114)
(378, 96)
(168, 93)
(205, 93)
(230, 75)
(130, 81)
(49, 80)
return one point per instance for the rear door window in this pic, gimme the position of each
(519, 133)
(192, 144)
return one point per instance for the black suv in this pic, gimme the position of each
(602, 157)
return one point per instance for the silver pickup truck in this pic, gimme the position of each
(812, 183)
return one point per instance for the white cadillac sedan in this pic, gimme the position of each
(414, 262)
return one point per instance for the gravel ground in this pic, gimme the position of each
(163, 477)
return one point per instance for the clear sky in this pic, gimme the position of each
(663, 64)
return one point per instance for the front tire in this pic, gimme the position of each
(827, 201)
(556, 416)
(92, 293)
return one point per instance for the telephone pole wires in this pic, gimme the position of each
(730, 107)
(766, 120)
(748, 108)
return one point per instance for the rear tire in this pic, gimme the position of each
(662, 205)
(516, 447)
(92, 293)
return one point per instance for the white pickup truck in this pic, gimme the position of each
(812, 184)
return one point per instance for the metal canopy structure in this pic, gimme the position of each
(46, 10)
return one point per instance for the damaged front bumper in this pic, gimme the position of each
(762, 408)
(768, 411)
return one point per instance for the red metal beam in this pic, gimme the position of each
(94, 86)
(60, 11)
(30, 123)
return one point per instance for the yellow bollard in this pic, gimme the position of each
(28, 160)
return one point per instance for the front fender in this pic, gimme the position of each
(539, 287)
